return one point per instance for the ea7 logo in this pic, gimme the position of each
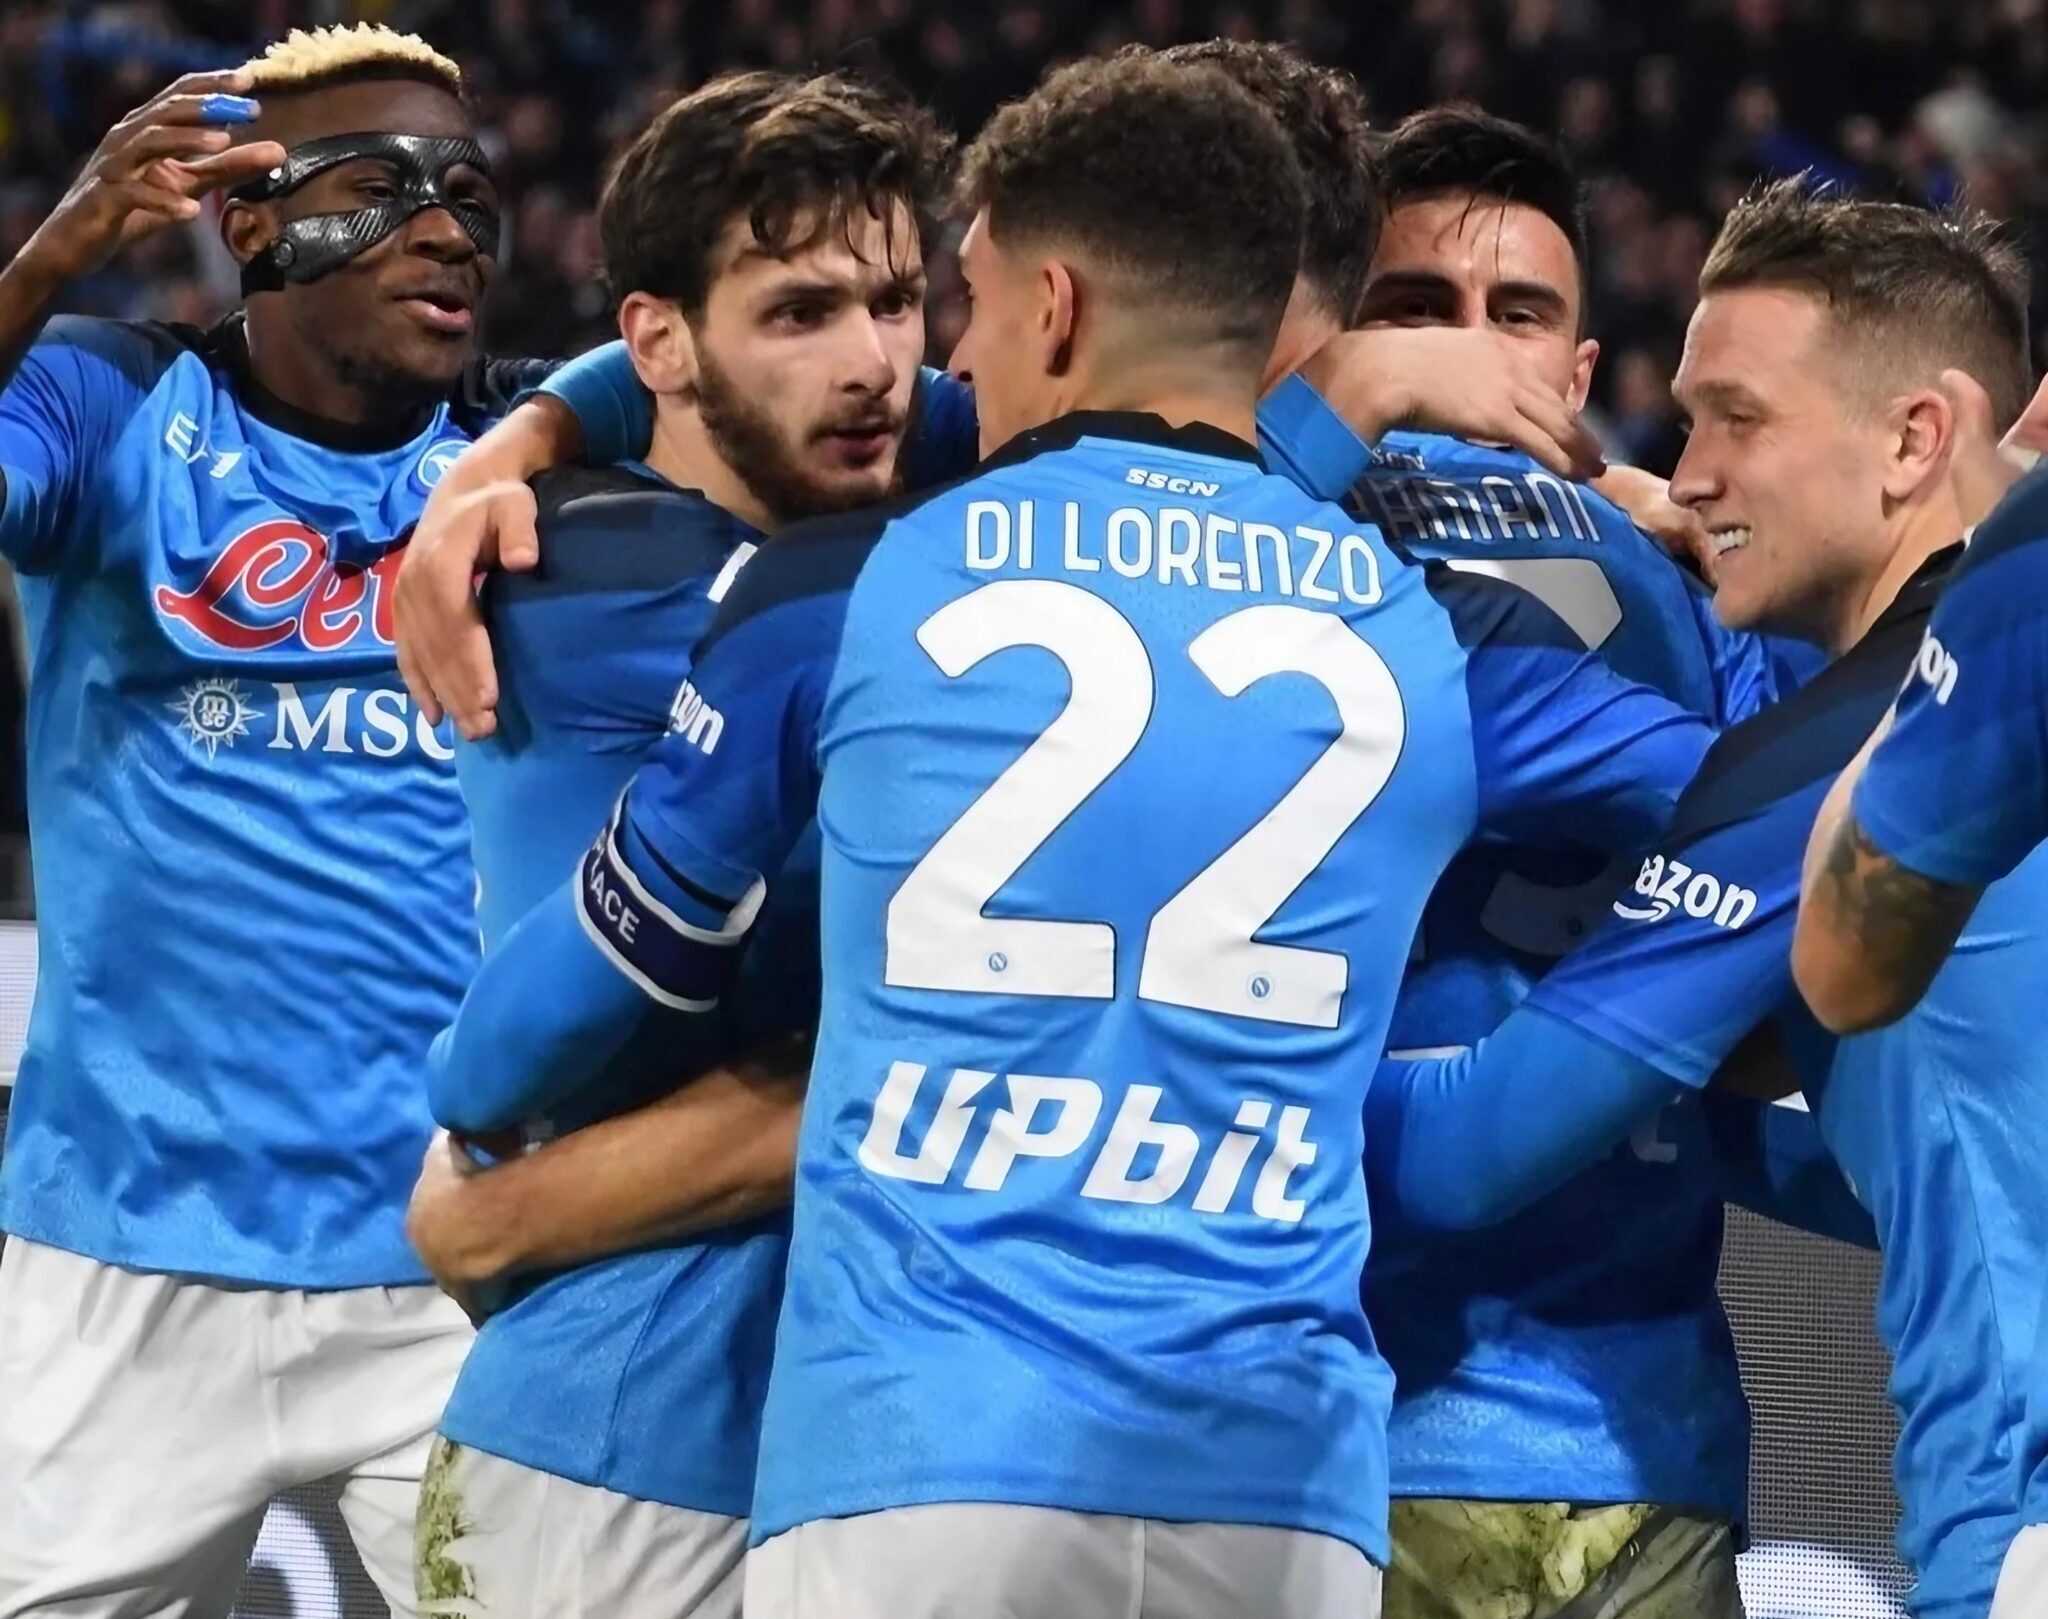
(1672, 885)
(1171, 483)
(691, 717)
(1047, 1116)
(1937, 667)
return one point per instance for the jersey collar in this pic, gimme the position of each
(228, 346)
(1127, 426)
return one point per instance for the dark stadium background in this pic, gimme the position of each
(1671, 107)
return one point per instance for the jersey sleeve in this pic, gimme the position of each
(660, 903)
(1466, 1140)
(1958, 791)
(1564, 748)
(1698, 950)
(1308, 443)
(491, 386)
(60, 416)
(603, 392)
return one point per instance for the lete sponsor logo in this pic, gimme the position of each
(278, 580)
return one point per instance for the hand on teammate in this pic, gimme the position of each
(451, 1225)
(481, 516)
(149, 172)
(1457, 380)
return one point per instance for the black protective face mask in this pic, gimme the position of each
(306, 249)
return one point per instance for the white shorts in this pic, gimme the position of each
(971, 1561)
(501, 1541)
(2023, 1577)
(146, 1421)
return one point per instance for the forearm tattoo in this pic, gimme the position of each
(1906, 923)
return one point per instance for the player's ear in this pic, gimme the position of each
(1923, 435)
(246, 228)
(658, 341)
(1057, 314)
(1583, 361)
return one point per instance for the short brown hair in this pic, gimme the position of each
(1172, 178)
(1322, 111)
(1937, 289)
(796, 157)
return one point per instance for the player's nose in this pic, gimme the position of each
(435, 233)
(1694, 481)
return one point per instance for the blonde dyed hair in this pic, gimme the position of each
(309, 58)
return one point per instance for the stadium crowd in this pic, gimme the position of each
(1669, 110)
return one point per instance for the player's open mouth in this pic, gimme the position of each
(1728, 539)
(860, 446)
(441, 311)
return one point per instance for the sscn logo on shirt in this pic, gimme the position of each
(1672, 885)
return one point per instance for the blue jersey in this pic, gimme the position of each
(1129, 796)
(1577, 1352)
(1931, 1120)
(1959, 790)
(252, 872)
(641, 1374)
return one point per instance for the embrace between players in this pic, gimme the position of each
(1028, 857)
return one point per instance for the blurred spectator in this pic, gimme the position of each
(1672, 110)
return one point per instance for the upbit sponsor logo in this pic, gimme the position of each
(1935, 665)
(1671, 885)
(1057, 1117)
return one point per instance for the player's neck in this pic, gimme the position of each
(683, 452)
(1920, 532)
(1304, 329)
(1183, 393)
(313, 387)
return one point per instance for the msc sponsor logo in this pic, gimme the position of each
(695, 720)
(276, 582)
(1043, 1116)
(379, 721)
(1937, 666)
(1672, 885)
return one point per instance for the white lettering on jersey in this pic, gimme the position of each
(1143, 478)
(695, 720)
(1422, 509)
(1671, 885)
(181, 438)
(382, 725)
(1058, 1116)
(1177, 545)
(1937, 666)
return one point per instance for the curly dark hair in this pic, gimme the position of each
(1323, 112)
(1937, 288)
(1171, 178)
(796, 156)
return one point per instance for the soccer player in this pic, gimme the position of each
(1569, 1424)
(207, 1294)
(1314, 427)
(1132, 766)
(599, 1448)
(1830, 458)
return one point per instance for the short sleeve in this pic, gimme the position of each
(60, 415)
(1958, 790)
(1306, 442)
(604, 394)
